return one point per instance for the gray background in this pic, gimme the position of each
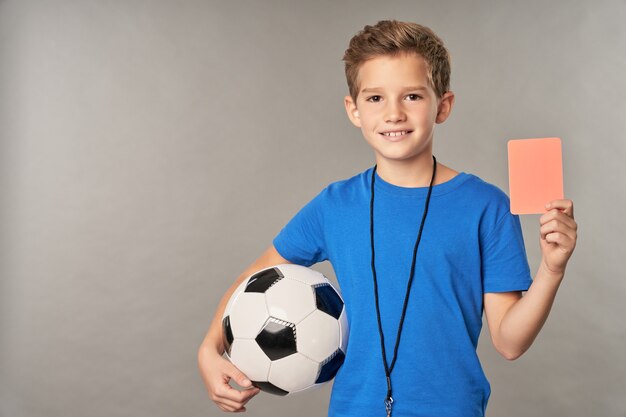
(151, 150)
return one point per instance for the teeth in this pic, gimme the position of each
(395, 133)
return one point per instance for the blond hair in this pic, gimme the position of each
(391, 37)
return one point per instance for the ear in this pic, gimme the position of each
(445, 106)
(353, 112)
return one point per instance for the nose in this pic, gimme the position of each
(394, 112)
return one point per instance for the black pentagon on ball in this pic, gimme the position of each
(328, 300)
(269, 387)
(277, 339)
(263, 280)
(330, 366)
(227, 331)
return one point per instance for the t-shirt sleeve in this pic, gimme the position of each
(504, 262)
(301, 240)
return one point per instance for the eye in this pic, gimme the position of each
(413, 97)
(374, 99)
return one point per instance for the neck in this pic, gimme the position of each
(417, 173)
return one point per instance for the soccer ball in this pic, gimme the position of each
(285, 327)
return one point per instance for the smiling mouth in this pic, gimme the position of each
(396, 133)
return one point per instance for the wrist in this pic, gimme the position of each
(550, 273)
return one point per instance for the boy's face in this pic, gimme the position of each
(396, 108)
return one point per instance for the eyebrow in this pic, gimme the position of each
(375, 89)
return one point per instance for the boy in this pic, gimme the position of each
(471, 253)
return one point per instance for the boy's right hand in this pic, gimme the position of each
(216, 373)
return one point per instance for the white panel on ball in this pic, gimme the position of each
(233, 297)
(248, 315)
(345, 330)
(311, 277)
(318, 336)
(250, 359)
(290, 300)
(293, 373)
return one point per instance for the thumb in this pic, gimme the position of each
(234, 373)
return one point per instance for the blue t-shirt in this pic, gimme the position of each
(471, 244)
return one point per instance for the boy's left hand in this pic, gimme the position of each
(558, 235)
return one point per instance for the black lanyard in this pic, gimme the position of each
(389, 369)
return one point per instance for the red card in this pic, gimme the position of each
(535, 174)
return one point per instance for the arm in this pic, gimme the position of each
(216, 371)
(514, 321)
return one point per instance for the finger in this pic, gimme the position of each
(234, 373)
(225, 408)
(554, 226)
(560, 239)
(232, 406)
(229, 404)
(235, 395)
(557, 215)
(249, 394)
(567, 206)
(234, 410)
